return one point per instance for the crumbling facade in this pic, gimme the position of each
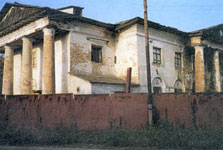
(60, 51)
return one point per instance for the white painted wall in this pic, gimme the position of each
(78, 85)
(169, 44)
(61, 64)
(80, 50)
(98, 88)
(17, 72)
(37, 62)
(73, 54)
(126, 53)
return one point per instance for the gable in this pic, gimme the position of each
(15, 15)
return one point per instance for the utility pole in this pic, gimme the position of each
(148, 63)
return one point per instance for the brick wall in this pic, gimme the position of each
(85, 112)
(190, 110)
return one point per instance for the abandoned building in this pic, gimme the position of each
(60, 51)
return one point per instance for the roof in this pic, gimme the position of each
(130, 22)
(20, 17)
(103, 79)
(24, 14)
(212, 34)
(32, 13)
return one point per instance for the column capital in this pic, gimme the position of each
(27, 38)
(7, 46)
(199, 45)
(49, 31)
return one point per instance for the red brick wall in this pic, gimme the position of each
(191, 110)
(66, 110)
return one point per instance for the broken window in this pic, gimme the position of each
(156, 55)
(96, 53)
(177, 60)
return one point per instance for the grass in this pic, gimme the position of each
(157, 136)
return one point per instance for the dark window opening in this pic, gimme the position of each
(178, 90)
(96, 53)
(156, 55)
(157, 90)
(177, 60)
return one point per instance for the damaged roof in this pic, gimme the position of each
(24, 14)
(138, 20)
(212, 34)
(20, 15)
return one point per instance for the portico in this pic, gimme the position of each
(22, 40)
(201, 69)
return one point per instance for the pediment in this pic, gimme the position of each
(15, 15)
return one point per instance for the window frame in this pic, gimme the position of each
(177, 60)
(96, 53)
(157, 55)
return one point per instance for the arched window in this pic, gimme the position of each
(157, 85)
(178, 86)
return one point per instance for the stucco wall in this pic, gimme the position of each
(80, 50)
(85, 112)
(78, 86)
(190, 110)
(37, 62)
(126, 53)
(169, 44)
(61, 63)
(17, 72)
(107, 88)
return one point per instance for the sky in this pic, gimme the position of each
(185, 15)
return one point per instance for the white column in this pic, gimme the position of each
(217, 72)
(7, 87)
(26, 78)
(48, 76)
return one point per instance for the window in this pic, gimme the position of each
(178, 86)
(157, 90)
(96, 53)
(157, 85)
(177, 60)
(156, 55)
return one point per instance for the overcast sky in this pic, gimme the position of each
(186, 15)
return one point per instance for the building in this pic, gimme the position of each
(60, 51)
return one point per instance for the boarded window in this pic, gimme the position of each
(156, 55)
(96, 53)
(177, 60)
